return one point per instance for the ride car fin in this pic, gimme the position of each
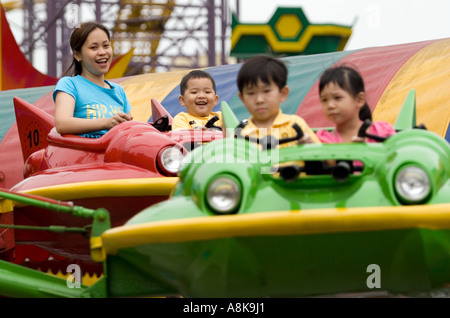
(229, 119)
(33, 125)
(406, 119)
(159, 111)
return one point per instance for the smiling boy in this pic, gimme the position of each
(198, 95)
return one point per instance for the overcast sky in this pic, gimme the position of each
(375, 23)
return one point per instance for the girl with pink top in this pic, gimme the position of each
(343, 101)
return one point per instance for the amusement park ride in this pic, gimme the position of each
(155, 212)
(318, 232)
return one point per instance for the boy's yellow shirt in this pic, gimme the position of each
(281, 128)
(185, 120)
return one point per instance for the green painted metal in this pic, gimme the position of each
(46, 203)
(407, 116)
(51, 228)
(101, 219)
(229, 118)
(19, 281)
(284, 266)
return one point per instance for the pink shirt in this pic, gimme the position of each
(378, 128)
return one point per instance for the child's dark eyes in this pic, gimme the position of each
(325, 99)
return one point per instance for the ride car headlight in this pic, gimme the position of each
(412, 184)
(224, 195)
(169, 160)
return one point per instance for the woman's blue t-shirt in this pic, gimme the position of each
(93, 101)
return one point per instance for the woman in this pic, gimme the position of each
(86, 103)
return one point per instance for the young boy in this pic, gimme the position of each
(262, 88)
(198, 95)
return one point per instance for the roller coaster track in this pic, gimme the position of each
(140, 25)
(181, 42)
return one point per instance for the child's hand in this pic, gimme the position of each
(306, 139)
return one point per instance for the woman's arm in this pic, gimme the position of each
(65, 123)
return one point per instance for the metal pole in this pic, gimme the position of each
(98, 11)
(224, 19)
(51, 40)
(211, 33)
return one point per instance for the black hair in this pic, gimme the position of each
(265, 68)
(77, 39)
(348, 79)
(195, 74)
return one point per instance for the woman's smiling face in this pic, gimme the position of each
(96, 54)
